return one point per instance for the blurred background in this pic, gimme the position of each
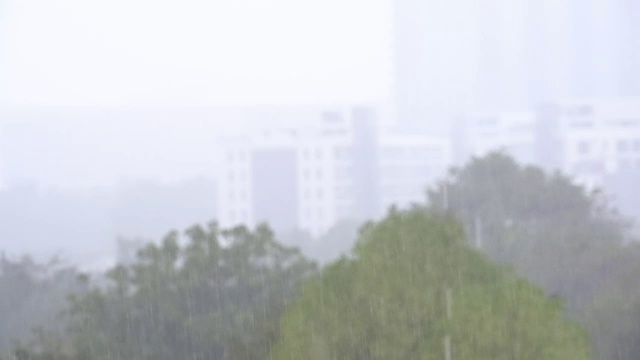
(115, 113)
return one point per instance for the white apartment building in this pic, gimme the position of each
(597, 138)
(326, 167)
(297, 175)
(587, 139)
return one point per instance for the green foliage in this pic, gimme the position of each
(219, 296)
(389, 302)
(514, 202)
(554, 233)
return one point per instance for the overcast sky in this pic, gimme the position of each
(208, 53)
(154, 52)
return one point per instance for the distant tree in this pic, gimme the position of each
(551, 231)
(218, 296)
(389, 301)
(32, 297)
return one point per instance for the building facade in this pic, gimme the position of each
(305, 175)
(594, 139)
(590, 139)
(331, 166)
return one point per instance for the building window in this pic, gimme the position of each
(583, 147)
(636, 145)
(243, 195)
(232, 176)
(230, 156)
(232, 196)
(307, 194)
(319, 174)
(305, 174)
(305, 154)
(319, 194)
(232, 216)
(318, 154)
(320, 213)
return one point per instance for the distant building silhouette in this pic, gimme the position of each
(457, 56)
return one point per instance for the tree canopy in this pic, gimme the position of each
(483, 271)
(218, 296)
(566, 240)
(389, 301)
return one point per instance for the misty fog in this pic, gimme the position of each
(185, 168)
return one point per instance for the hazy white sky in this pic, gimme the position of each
(155, 52)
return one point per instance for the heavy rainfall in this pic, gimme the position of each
(306, 179)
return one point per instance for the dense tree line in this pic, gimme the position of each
(389, 301)
(503, 262)
(219, 296)
(568, 241)
(222, 294)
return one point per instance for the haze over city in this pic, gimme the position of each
(172, 173)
